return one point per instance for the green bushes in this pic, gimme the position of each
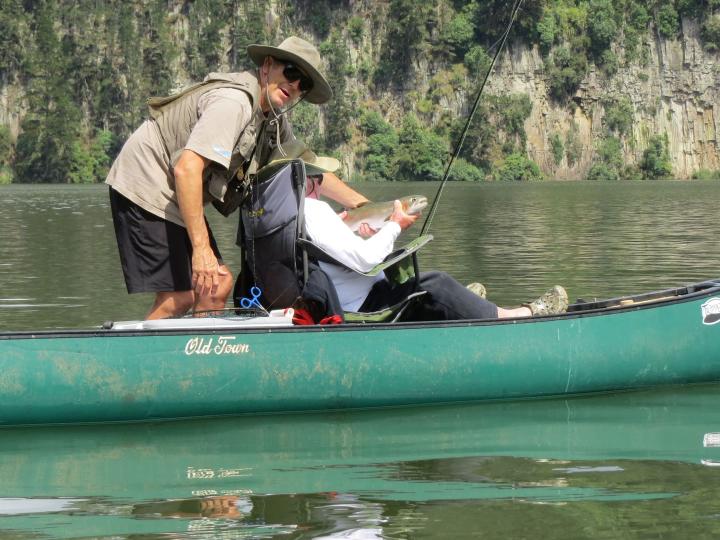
(655, 163)
(566, 70)
(667, 21)
(6, 150)
(338, 110)
(518, 167)
(464, 171)
(609, 162)
(414, 153)
(711, 33)
(382, 142)
(557, 147)
(705, 174)
(619, 116)
(422, 154)
(459, 33)
(90, 161)
(602, 28)
(601, 172)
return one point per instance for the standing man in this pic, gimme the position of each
(195, 148)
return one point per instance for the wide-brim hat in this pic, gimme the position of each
(305, 56)
(296, 149)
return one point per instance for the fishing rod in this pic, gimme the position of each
(458, 146)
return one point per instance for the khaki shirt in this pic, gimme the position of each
(142, 171)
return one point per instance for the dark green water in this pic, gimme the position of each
(630, 465)
(59, 265)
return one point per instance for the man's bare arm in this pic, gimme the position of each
(189, 188)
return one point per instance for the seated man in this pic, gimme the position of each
(447, 299)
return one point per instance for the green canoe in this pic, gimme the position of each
(224, 366)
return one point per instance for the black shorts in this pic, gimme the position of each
(156, 254)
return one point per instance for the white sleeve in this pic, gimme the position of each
(327, 230)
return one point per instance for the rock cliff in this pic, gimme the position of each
(391, 57)
(676, 92)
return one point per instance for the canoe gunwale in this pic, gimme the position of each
(582, 309)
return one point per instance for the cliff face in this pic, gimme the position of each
(677, 93)
(144, 48)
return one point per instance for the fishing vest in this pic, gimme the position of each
(274, 258)
(176, 116)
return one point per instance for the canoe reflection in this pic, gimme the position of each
(370, 474)
(229, 507)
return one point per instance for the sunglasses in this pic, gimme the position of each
(293, 73)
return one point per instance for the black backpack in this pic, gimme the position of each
(276, 257)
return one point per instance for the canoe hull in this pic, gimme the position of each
(103, 376)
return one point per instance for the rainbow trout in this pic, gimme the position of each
(376, 214)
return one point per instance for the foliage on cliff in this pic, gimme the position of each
(401, 71)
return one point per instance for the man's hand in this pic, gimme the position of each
(206, 271)
(401, 218)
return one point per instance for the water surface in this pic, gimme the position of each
(59, 266)
(631, 465)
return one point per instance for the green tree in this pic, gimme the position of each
(407, 22)
(207, 19)
(705, 174)
(459, 33)
(6, 152)
(655, 163)
(50, 129)
(12, 18)
(306, 124)
(566, 70)
(477, 62)
(667, 20)
(547, 30)
(338, 110)
(247, 26)
(382, 144)
(619, 116)
(6, 146)
(158, 51)
(610, 152)
(356, 28)
(711, 33)
(422, 153)
(609, 160)
(90, 160)
(513, 110)
(602, 27)
(557, 147)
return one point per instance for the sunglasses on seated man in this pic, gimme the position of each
(293, 73)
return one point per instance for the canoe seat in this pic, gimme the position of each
(388, 315)
(399, 267)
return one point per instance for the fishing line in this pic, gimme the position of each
(458, 146)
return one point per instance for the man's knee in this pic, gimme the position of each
(436, 280)
(225, 286)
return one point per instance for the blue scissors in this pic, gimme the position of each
(247, 303)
